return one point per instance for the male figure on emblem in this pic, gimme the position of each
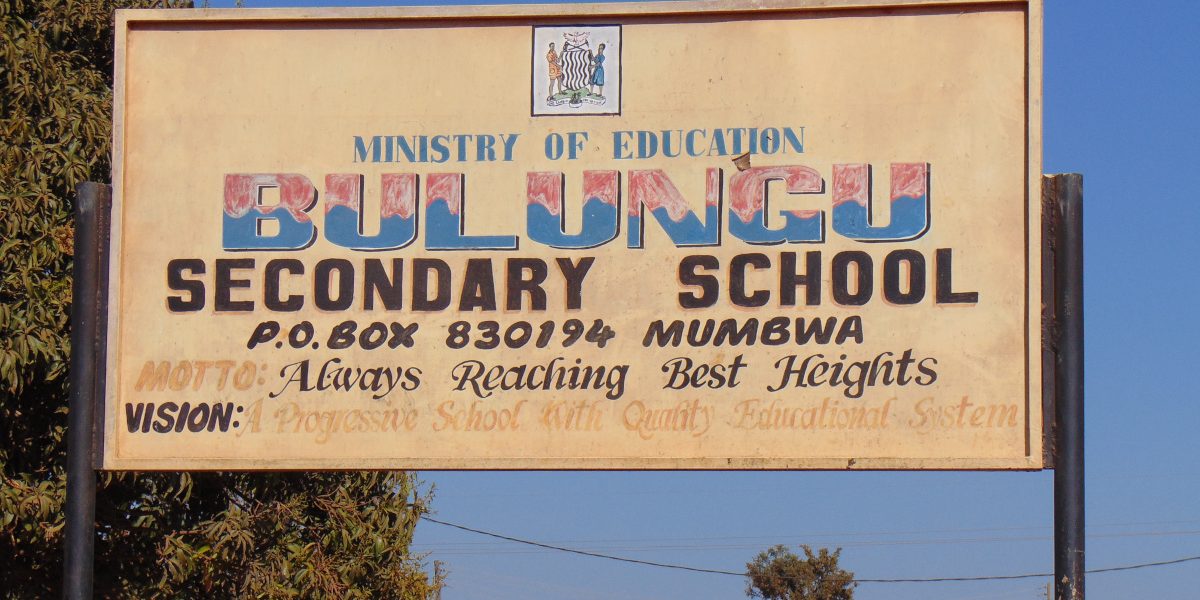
(556, 74)
(598, 71)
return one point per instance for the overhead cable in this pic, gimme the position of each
(743, 574)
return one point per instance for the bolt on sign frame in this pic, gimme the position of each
(684, 235)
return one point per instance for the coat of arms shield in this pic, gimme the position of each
(576, 70)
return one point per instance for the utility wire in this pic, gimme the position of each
(582, 552)
(691, 544)
(1092, 533)
(743, 574)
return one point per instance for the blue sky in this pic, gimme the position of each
(1121, 93)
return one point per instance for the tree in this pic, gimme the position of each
(332, 535)
(778, 574)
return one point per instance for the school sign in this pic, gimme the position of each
(617, 236)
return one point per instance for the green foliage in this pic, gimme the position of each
(324, 535)
(778, 574)
(289, 535)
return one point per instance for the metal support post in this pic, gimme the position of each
(1069, 565)
(87, 326)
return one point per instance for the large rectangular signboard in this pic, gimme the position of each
(613, 236)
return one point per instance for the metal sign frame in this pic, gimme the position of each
(1034, 411)
(1061, 258)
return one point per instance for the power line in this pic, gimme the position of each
(581, 552)
(1143, 565)
(742, 574)
(745, 543)
(1092, 533)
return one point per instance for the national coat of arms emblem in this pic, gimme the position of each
(577, 70)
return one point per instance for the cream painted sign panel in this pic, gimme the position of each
(665, 236)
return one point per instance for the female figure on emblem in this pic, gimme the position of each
(556, 74)
(598, 71)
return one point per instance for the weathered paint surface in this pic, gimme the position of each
(334, 249)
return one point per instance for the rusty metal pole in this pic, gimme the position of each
(87, 326)
(1069, 565)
